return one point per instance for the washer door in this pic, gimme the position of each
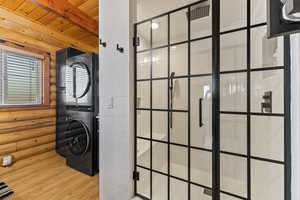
(79, 141)
(78, 81)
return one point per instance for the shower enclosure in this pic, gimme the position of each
(212, 105)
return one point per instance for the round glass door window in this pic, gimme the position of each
(79, 140)
(77, 82)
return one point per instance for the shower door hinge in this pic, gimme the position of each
(136, 41)
(136, 175)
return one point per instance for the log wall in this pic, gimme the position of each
(28, 134)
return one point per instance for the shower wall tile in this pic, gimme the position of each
(143, 65)
(201, 56)
(233, 14)
(233, 133)
(160, 63)
(178, 189)
(258, 11)
(179, 59)
(180, 94)
(179, 131)
(233, 171)
(160, 186)
(233, 92)
(267, 180)
(201, 167)
(179, 26)
(267, 137)
(266, 52)
(179, 161)
(143, 94)
(159, 94)
(233, 52)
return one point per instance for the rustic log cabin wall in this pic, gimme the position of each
(28, 133)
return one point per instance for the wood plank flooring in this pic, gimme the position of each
(51, 179)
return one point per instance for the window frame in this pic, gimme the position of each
(45, 71)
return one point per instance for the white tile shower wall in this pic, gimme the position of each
(116, 80)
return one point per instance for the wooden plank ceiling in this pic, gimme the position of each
(41, 27)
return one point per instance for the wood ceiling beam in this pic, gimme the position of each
(22, 39)
(40, 28)
(70, 12)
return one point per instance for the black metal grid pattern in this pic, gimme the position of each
(216, 111)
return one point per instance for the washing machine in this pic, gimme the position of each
(81, 141)
(81, 76)
(77, 90)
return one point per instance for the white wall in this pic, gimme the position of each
(295, 109)
(116, 88)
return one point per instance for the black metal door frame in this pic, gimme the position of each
(216, 112)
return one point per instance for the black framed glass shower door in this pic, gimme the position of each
(212, 105)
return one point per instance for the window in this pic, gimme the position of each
(20, 78)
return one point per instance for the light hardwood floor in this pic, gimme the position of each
(51, 179)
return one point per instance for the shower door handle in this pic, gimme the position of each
(200, 112)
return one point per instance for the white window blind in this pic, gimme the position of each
(21, 82)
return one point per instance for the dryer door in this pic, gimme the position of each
(79, 140)
(78, 81)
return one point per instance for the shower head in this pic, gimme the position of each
(199, 11)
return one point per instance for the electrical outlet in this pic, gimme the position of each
(7, 161)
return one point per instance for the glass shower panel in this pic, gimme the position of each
(180, 94)
(201, 112)
(179, 59)
(265, 52)
(233, 92)
(267, 180)
(179, 128)
(143, 65)
(267, 137)
(201, 167)
(258, 12)
(143, 153)
(201, 24)
(144, 35)
(233, 14)
(233, 133)
(267, 83)
(160, 186)
(179, 26)
(159, 32)
(160, 94)
(233, 53)
(143, 186)
(201, 57)
(178, 189)
(233, 174)
(160, 125)
(160, 63)
(143, 123)
(179, 161)
(198, 193)
(160, 157)
(143, 94)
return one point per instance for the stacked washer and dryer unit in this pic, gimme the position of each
(77, 109)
